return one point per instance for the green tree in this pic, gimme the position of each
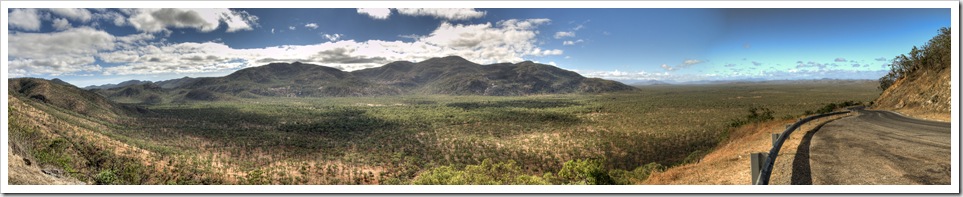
(932, 56)
(584, 172)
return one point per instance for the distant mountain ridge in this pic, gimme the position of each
(121, 84)
(450, 75)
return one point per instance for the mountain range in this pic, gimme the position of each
(450, 75)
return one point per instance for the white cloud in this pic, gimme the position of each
(311, 25)
(563, 34)
(292, 27)
(442, 13)
(205, 20)
(26, 19)
(839, 59)
(623, 75)
(375, 13)
(74, 51)
(685, 64)
(667, 67)
(116, 18)
(690, 62)
(58, 52)
(61, 24)
(74, 41)
(569, 42)
(272, 30)
(332, 37)
(76, 14)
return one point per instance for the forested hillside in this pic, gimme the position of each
(919, 82)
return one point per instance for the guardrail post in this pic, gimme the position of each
(756, 162)
(775, 138)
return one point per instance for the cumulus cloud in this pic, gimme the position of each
(292, 27)
(80, 49)
(839, 59)
(58, 52)
(26, 19)
(755, 63)
(442, 13)
(563, 34)
(61, 24)
(882, 59)
(74, 41)
(204, 20)
(311, 25)
(111, 16)
(730, 65)
(76, 14)
(375, 13)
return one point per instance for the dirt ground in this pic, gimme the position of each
(729, 163)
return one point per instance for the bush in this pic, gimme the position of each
(486, 173)
(637, 175)
(584, 172)
(756, 115)
(105, 177)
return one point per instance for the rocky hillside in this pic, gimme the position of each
(59, 134)
(456, 76)
(919, 83)
(65, 96)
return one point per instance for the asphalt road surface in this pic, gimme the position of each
(874, 148)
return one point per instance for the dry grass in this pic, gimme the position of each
(20, 173)
(729, 163)
(925, 96)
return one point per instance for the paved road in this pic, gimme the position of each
(874, 148)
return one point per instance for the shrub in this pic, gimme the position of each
(105, 177)
(486, 173)
(584, 172)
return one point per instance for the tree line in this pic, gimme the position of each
(932, 56)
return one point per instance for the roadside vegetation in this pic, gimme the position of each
(919, 83)
(934, 56)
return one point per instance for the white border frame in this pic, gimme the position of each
(952, 188)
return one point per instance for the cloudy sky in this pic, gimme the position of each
(97, 46)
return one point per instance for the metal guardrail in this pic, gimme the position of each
(762, 171)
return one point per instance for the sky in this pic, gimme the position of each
(99, 46)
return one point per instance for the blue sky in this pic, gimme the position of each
(97, 46)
